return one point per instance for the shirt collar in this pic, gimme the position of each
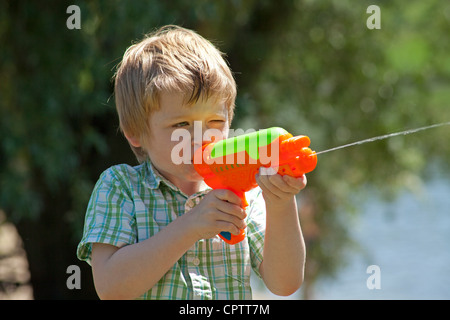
(154, 178)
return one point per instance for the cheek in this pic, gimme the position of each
(179, 152)
(161, 148)
(215, 134)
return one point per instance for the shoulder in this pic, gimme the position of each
(120, 179)
(123, 174)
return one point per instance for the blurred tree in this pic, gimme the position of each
(312, 67)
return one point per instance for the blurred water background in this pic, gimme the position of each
(409, 239)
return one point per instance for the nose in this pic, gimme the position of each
(199, 136)
(203, 135)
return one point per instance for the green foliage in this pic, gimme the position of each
(311, 67)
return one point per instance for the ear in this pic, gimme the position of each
(133, 140)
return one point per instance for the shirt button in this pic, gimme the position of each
(189, 204)
(196, 261)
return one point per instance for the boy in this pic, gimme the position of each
(151, 231)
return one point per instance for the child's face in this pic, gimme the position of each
(173, 115)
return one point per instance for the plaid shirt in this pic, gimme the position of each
(131, 204)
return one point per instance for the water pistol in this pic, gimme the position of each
(233, 163)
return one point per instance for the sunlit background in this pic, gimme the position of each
(311, 67)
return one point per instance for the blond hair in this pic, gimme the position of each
(171, 59)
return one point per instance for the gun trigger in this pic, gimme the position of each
(226, 235)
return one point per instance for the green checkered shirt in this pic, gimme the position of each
(131, 204)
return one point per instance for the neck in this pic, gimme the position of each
(191, 188)
(188, 187)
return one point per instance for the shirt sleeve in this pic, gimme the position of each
(109, 216)
(256, 227)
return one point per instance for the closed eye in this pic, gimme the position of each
(217, 121)
(181, 124)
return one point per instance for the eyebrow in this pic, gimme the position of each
(184, 117)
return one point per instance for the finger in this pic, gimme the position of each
(279, 183)
(264, 185)
(228, 227)
(239, 224)
(230, 208)
(227, 195)
(298, 183)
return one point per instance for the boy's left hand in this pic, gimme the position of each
(278, 189)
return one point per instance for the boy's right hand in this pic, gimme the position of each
(220, 210)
